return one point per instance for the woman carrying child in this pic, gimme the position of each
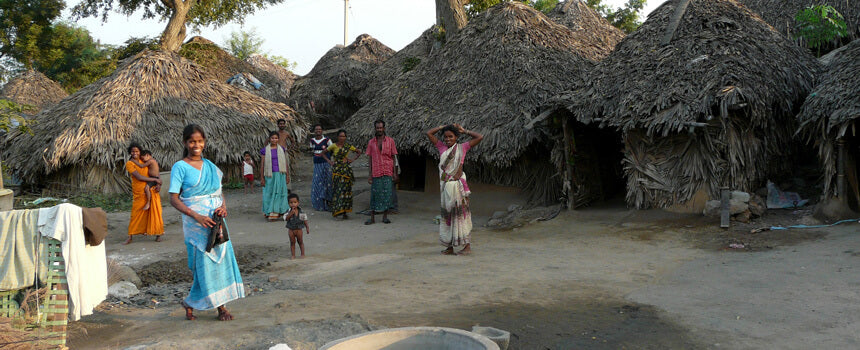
(455, 228)
(275, 169)
(143, 221)
(195, 190)
(342, 177)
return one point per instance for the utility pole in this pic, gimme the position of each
(345, 20)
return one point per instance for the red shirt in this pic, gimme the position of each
(382, 161)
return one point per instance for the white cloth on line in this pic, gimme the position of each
(86, 265)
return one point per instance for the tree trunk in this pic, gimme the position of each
(174, 34)
(451, 15)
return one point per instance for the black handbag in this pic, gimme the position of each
(218, 233)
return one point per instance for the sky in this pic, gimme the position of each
(301, 30)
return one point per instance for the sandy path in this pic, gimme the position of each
(604, 278)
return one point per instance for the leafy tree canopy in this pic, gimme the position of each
(243, 44)
(23, 24)
(625, 18)
(820, 26)
(72, 58)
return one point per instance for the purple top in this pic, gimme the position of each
(275, 168)
(442, 148)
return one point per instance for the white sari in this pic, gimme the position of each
(455, 228)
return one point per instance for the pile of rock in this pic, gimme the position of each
(743, 207)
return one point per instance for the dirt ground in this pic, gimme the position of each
(599, 278)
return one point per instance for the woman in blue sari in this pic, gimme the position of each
(195, 190)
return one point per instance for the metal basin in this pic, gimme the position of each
(409, 338)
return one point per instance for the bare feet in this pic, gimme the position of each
(158, 238)
(293, 257)
(466, 250)
(188, 312)
(449, 251)
(223, 314)
(127, 241)
(302, 257)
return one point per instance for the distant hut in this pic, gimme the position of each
(402, 62)
(80, 143)
(493, 77)
(780, 13)
(33, 88)
(330, 92)
(581, 19)
(705, 96)
(222, 66)
(286, 77)
(830, 118)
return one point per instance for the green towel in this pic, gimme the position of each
(19, 235)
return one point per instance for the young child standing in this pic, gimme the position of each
(152, 170)
(248, 172)
(295, 219)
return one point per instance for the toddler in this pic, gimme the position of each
(152, 169)
(295, 219)
(248, 172)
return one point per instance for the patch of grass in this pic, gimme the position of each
(233, 184)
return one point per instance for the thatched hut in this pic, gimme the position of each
(81, 142)
(33, 88)
(221, 65)
(581, 19)
(402, 62)
(492, 76)
(705, 96)
(780, 13)
(286, 77)
(330, 91)
(830, 118)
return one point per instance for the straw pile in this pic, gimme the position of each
(220, 65)
(81, 142)
(33, 88)
(492, 77)
(705, 98)
(330, 92)
(831, 110)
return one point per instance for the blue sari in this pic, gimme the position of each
(216, 273)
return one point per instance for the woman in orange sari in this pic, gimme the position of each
(143, 222)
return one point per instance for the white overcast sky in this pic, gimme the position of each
(303, 30)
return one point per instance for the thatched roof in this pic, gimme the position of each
(704, 96)
(780, 13)
(335, 82)
(286, 77)
(33, 88)
(828, 112)
(721, 58)
(148, 99)
(403, 61)
(492, 76)
(582, 20)
(220, 65)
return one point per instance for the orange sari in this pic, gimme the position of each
(142, 222)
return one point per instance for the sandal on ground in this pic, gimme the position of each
(224, 315)
(386, 221)
(369, 222)
(158, 238)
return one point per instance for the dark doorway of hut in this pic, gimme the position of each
(594, 160)
(852, 171)
(414, 172)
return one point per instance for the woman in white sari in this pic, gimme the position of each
(455, 228)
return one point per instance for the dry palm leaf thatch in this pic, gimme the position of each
(780, 13)
(492, 77)
(706, 104)
(220, 65)
(832, 109)
(331, 90)
(82, 141)
(581, 19)
(402, 62)
(33, 88)
(286, 77)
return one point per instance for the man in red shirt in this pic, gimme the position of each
(381, 150)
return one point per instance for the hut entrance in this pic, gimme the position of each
(852, 171)
(595, 159)
(414, 171)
